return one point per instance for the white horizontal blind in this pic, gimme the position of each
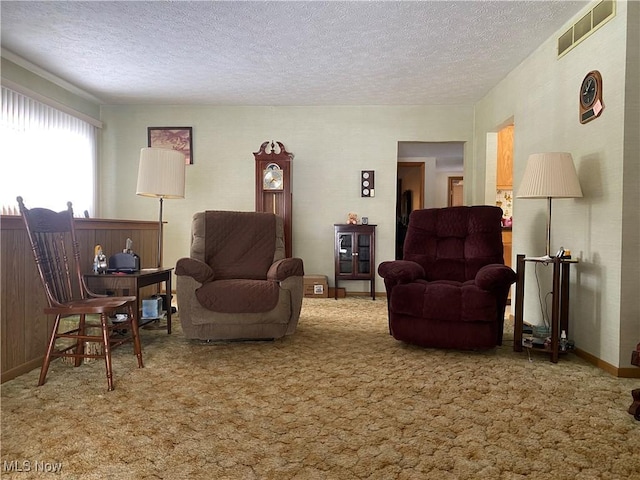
(46, 156)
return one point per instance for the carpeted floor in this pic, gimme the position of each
(340, 399)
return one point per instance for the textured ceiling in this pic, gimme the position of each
(281, 53)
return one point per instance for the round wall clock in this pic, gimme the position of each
(591, 103)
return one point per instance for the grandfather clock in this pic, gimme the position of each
(273, 185)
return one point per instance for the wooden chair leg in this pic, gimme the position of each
(107, 350)
(80, 347)
(135, 333)
(50, 348)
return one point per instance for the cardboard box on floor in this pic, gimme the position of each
(316, 286)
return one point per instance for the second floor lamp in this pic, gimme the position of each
(550, 175)
(161, 174)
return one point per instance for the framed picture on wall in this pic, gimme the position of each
(174, 138)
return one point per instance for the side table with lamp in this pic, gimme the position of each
(161, 174)
(548, 175)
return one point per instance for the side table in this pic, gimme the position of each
(560, 301)
(125, 283)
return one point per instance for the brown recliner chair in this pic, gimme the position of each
(451, 288)
(237, 283)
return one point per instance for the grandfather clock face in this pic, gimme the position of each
(273, 185)
(273, 178)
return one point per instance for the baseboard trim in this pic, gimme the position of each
(21, 370)
(625, 372)
(365, 294)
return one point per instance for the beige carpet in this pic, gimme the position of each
(340, 399)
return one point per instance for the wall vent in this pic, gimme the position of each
(579, 31)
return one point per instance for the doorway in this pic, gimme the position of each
(423, 171)
(455, 192)
(409, 197)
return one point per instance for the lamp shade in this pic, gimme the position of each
(550, 175)
(161, 173)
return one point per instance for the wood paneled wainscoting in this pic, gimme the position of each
(24, 328)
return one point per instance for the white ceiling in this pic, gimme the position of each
(281, 53)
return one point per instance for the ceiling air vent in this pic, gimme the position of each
(594, 19)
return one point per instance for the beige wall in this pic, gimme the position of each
(541, 95)
(331, 146)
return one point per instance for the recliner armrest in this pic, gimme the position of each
(285, 268)
(400, 271)
(494, 276)
(195, 269)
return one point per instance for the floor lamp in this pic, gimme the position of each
(161, 174)
(550, 175)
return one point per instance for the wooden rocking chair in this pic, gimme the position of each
(57, 255)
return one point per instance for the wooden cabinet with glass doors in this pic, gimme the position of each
(355, 254)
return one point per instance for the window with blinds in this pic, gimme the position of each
(46, 156)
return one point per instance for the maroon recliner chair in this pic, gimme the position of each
(451, 288)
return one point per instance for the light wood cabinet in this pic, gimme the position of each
(24, 327)
(504, 177)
